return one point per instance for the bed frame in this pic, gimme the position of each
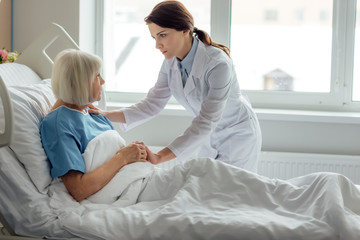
(38, 50)
(6, 136)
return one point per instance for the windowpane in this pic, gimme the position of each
(356, 81)
(282, 45)
(132, 62)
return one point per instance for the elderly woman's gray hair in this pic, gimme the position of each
(73, 74)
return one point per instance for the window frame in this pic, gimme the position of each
(342, 63)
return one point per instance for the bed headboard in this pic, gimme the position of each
(37, 58)
(56, 35)
(38, 50)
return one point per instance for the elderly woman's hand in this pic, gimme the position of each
(134, 152)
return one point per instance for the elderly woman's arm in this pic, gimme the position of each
(82, 185)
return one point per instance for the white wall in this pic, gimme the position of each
(285, 132)
(303, 132)
(31, 17)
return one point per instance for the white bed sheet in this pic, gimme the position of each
(201, 199)
(207, 199)
(26, 210)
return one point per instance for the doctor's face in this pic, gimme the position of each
(169, 41)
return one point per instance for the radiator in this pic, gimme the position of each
(284, 165)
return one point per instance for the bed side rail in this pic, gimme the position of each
(6, 226)
(6, 136)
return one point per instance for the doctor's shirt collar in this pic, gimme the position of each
(186, 64)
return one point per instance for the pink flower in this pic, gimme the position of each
(3, 55)
(6, 56)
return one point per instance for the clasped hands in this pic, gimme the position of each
(139, 152)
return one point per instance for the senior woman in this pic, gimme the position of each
(69, 127)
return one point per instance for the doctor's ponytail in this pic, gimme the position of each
(174, 15)
(205, 38)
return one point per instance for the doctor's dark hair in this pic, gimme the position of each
(174, 15)
(73, 74)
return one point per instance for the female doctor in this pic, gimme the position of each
(200, 75)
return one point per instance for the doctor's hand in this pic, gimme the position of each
(114, 116)
(93, 109)
(152, 157)
(164, 155)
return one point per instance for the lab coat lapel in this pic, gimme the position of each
(197, 69)
(190, 85)
(176, 83)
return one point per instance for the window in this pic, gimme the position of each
(356, 82)
(271, 15)
(292, 54)
(324, 15)
(299, 54)
(301, 62)
(299, 15)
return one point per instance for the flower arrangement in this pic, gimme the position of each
(6, 56)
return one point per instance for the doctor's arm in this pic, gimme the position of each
(114, 116)
(155, 101)
(219, 80)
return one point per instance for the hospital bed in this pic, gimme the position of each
(30, 69)
(200, 199)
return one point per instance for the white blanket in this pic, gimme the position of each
(207, 199)
(101, 149)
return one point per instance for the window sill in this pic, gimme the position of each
(270, 114)
(309, 116)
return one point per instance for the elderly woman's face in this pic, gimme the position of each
(97, 83)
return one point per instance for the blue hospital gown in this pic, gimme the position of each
(65, 134)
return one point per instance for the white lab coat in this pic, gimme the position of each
(224, 126)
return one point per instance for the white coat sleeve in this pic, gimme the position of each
(155, 101)
(219, 80)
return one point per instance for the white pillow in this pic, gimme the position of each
(101, 149)
(14, 74)
(30, 104)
